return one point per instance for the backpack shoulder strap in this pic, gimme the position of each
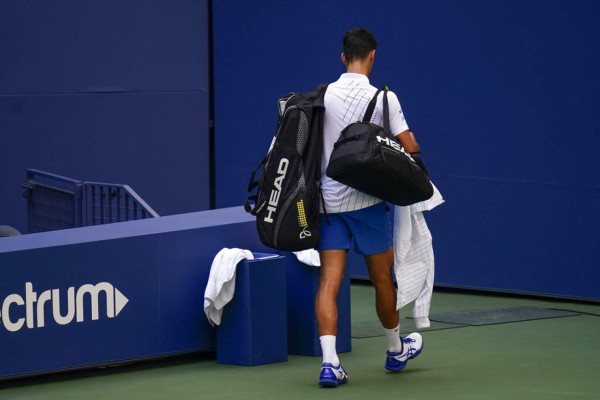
(319, 100)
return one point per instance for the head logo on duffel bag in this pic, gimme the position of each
(393, 145)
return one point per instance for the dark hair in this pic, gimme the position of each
(358, 43)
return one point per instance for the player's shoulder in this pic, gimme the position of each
(392, 94)
(393, 100)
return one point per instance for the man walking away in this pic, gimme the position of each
(357, 217)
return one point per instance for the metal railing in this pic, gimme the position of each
(57, 202)
(53, 201)
(107, 202)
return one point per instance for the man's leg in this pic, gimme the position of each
(332, 273)
(400, 350)
(380, 272)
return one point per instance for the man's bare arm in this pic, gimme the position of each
(408, 141)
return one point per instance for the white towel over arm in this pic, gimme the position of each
(221, 282)
(414, 265)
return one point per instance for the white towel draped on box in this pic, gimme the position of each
(221, 282)
(414, 265)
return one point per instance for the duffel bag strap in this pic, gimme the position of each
(386, 110)
(371, 108)
(386, 113)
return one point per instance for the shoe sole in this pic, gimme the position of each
(396, 369)
(330, 382)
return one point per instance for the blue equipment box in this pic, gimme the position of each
(253, 328)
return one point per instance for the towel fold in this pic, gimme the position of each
(221, 282)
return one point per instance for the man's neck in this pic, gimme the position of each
(359, 68)
(355, 69)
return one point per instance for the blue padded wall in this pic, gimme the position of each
(160, 267)
(501, 95)
(106, 91)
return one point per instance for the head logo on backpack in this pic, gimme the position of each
(287, 198)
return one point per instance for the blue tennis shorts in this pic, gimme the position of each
(369, 227)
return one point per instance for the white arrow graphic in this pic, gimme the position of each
(120, 301)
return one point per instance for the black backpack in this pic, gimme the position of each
(286, 202)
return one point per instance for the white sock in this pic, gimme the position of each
(393, 339)
(329, 352)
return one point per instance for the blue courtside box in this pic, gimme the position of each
(253, 328)
(302, 285)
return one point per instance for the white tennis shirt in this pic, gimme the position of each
(346, 101)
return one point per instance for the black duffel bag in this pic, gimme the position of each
(367, 157)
